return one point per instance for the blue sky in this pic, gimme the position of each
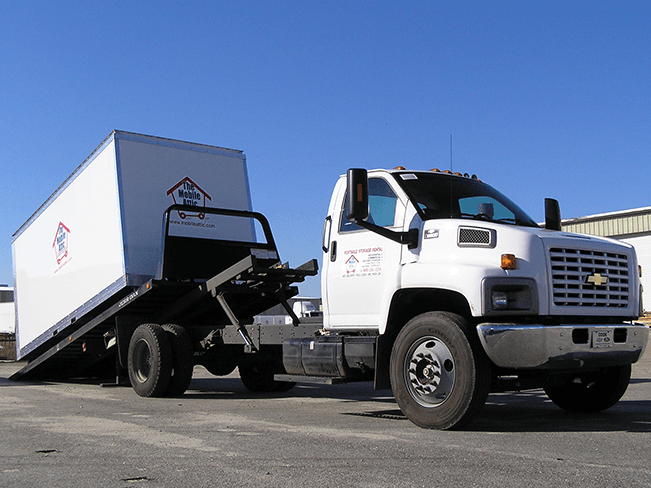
(543, 99)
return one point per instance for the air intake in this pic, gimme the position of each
(476, 237)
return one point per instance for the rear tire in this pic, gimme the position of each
(149, 360)
(219, 360)
(182, 359)
(257, 374)
(440, 375)
(592, 392)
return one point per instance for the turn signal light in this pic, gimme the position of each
(508, 261)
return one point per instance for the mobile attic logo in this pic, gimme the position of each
(187, 192)
(61, 244)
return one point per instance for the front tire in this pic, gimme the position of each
(440, 375)
(149, 360)
(592, 392)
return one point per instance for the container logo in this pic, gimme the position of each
(187, 192)
(61, 244)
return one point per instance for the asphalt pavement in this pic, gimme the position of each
(64, 434)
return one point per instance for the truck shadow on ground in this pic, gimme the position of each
(529, 411)
(534, 412)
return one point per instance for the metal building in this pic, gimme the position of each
(632, 226)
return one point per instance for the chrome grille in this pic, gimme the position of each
(571, 270)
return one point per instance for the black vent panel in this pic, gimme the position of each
(476, 237)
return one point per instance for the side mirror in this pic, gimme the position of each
(552, 214)
(357, 180)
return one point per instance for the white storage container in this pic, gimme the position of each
(101, 231)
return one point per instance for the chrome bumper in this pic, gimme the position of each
(563, 346)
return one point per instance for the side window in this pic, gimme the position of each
(381, 206)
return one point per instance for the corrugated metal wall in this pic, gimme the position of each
(627, 223)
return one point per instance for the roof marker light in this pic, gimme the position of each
(399, 167)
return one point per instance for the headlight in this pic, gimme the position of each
(510, 296)
(500, 300)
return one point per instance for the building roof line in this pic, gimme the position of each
(609, 215)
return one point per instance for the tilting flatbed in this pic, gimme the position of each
(215, 310)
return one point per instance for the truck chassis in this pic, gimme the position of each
(205, 321)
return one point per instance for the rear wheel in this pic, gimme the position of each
(440, 374)
(592, 392)
(257, 374)
(182, 359)
(219, 360)
(149, 360)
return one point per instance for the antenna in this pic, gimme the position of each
(450, 152)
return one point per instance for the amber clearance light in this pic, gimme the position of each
(508, 261)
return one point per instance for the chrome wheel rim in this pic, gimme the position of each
(430, 371)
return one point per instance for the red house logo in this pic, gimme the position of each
(61, 242)
(351, 264)
(187, 192)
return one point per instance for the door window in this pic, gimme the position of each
(381, 206)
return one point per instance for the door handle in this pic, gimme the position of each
(325, 238)
(333, 251)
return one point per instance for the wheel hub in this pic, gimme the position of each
(142, 361)
(430, 371)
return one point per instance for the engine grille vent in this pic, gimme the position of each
(476, 237)
(586, 278)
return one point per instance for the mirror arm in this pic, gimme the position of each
(410, 237)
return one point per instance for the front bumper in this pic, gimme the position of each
(563, 346)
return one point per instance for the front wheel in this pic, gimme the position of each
(440, 374)
(592, 392)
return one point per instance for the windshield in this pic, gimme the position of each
(439, 196)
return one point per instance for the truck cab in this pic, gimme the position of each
(465, 231)
(536, 306)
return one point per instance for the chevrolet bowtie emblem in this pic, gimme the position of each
(596, 279)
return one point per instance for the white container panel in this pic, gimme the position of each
(156, 175)
(102, 229)
(71, 252)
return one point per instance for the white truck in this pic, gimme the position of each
(434, 285)
(7, 312)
